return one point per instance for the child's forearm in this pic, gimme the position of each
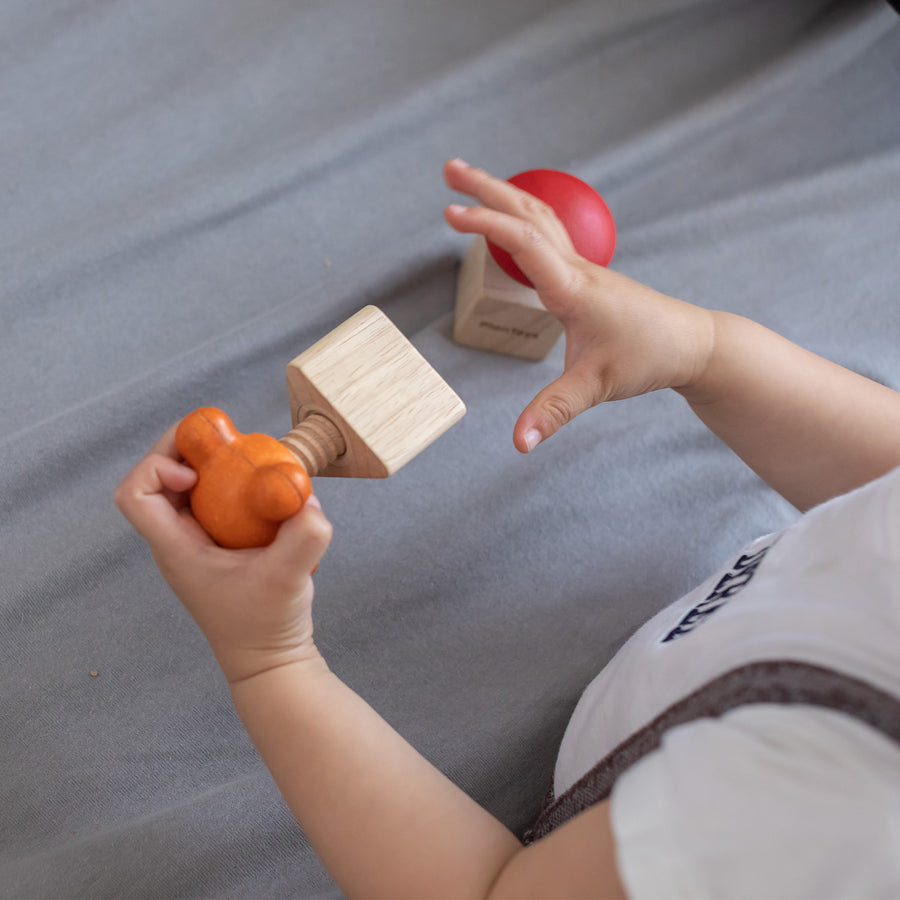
(810, 428)
(383, 820)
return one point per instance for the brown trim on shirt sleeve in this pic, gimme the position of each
(774, 681)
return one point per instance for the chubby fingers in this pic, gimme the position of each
(145, 496)
(549, 271)
(494, 193)
(504, 197)
(301, 540)
(524, 226)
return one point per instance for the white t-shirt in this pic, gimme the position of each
(767, 800)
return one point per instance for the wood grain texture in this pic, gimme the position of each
(385, 399)
(496, 313)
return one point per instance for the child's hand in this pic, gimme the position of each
(254, 606)
(622, 338)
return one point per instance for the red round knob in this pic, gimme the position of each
(582, 211)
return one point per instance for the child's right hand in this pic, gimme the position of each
(622, 338)
(254, 605)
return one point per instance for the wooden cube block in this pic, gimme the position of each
(496, 313)
(379, 392)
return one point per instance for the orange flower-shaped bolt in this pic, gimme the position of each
(363, 403)
(247, 484)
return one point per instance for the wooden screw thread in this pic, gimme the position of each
(316, 442)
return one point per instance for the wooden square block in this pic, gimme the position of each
(496, 313)
(380, 392)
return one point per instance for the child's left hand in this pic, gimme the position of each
(254, 605)
(622, 337)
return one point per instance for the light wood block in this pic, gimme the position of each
(370, 396)
(496, 313)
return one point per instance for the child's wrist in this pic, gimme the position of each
(700, 347)
(242, 665)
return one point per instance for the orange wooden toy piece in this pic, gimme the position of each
(247, 484)
(363, 403)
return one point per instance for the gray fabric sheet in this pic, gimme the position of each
(193, 193)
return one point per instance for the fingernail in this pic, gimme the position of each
(461, 162)
(532, 439)
(456, 208)
(314, 501)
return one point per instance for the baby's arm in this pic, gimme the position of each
(810, 428)
(384, 820)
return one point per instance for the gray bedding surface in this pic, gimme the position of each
(193, 193)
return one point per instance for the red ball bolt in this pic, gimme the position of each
(582, 211)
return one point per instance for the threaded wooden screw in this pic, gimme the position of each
(316, 442)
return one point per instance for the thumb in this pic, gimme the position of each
(144, 497)
(301, 540)
(556, 405)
